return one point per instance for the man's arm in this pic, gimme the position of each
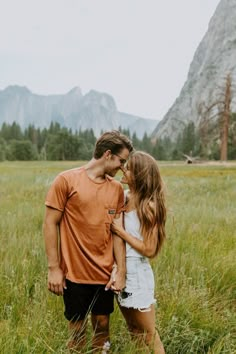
(117, 281)
(119, 252)
(56, 279)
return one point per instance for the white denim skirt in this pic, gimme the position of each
(139, 289)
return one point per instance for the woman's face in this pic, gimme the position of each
(126, 178)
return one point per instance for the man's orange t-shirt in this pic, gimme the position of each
(88, 210)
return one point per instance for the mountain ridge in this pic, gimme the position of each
(96, 110)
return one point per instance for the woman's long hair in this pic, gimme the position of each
(149, 200)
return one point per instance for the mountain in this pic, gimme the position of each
(213, 60)
(94, 110)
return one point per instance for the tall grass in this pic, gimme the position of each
(195, 272)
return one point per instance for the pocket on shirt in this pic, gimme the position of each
(110, 212)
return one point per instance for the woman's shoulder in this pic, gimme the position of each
(129, 205)
(126, 193)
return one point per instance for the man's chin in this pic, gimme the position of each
(112, 173)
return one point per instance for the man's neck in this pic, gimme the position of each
(95, 170)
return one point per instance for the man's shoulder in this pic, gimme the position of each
(73, 172)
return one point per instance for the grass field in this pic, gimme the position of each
(195, 272)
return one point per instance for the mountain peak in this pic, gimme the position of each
(75, 91)
(100, 98)
(17, 89)
(213, 60)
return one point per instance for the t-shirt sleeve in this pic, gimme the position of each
(121, 201)
(57, 195)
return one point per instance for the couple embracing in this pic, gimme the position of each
(98, 242)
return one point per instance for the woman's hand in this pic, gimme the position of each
(117, 229)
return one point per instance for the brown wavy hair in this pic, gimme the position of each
(148, 193)
(112, 140)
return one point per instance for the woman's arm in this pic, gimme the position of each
(146, 248)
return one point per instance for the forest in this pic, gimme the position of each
(61, 143)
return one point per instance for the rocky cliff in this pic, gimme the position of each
(94, 110)
(214, 59)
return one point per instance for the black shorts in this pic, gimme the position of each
(81, 299)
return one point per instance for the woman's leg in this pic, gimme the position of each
(141, 325)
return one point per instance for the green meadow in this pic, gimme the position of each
(195, 272)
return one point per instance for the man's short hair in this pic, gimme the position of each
(114, 141)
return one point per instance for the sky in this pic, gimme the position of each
(137, 51)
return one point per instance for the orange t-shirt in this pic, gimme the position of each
(85, 237)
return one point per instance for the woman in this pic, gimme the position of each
(144, 233)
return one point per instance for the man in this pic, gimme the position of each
(80, 207)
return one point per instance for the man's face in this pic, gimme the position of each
(117, 162)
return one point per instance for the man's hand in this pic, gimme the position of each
(56, 281)
(117, 280)
(119, 283)
(110, 284)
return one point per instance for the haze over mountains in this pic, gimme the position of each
(213, 60)
(94, 110)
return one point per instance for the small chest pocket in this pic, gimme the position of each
(110, 212)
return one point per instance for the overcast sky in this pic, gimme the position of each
(138, 51)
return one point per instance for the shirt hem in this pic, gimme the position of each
(83, 281)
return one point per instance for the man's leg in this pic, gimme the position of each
(80, 300)
(101, 337)
(77, 331)
(103, 307)
(77, 299)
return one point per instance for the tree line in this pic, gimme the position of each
(61, 143)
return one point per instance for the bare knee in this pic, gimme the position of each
(152, 339)
(100, 323)
(134, 330)
(150, 336)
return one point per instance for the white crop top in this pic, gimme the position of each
(132, 226)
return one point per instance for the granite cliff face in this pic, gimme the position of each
(214, 59)
(94, 110)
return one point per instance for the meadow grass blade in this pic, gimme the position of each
(195, 271)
